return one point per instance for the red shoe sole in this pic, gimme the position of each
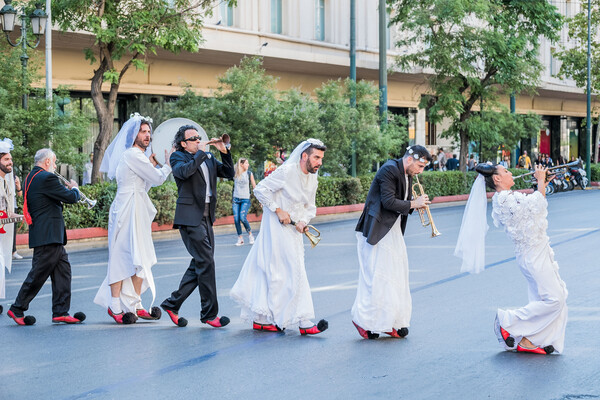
(265, 327)
(537, 350)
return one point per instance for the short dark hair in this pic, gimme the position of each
(419, 151)
(488, 171)
(453, 155)
(145, 122)
(309, 150)
(180, 136)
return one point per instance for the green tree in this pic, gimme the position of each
(125, 32)
(477, 50)
(574, 56)
(39, 126)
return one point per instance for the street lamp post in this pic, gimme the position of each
(37, 19)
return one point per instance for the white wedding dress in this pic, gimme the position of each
(272, 287)
(130, 247)
(544, 319)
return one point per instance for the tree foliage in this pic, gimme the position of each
(40, 125)
(476, 51)
(126, 32)
(262, 120)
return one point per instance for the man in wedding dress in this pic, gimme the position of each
(273, 287)
(383, 303)
(7, 204)
(130, 249)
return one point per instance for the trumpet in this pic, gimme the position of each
(225, 139)
(417, 191)
(314, 238)
(82, 197)
(571, 164)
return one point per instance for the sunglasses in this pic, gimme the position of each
(192, 139)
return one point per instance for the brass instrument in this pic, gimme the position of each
(313, 238)
(82, 197)
(225, 139)
(571, 164)
(429, 221)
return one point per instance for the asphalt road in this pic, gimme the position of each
(450, 353)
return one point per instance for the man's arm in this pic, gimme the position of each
(183, 169)
(225, 169)
(57, 191)
(387, 186)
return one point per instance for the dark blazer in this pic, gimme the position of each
(191, 185)
(385, 202)
(45, 196)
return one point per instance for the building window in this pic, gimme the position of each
(226, 12)
(276, 16)
(320, 19)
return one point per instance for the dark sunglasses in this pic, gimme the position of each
(192, 139)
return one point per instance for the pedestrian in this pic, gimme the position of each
(472, 163)
(42, 209)
(7, 207)
(131, 255)
(442, 159)
(524, 160)
(383, 303)
(452, 163)
(538, 327)
(18, 193)
(505, 162)
(241, 199)
(196, 170)
(87, 171)
(272, 287)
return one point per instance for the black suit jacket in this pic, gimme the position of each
(191, 185)
(385, 202)
(45, 196)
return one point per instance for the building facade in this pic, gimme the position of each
(305, 43)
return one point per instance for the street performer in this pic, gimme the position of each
(273, 287)
(383, 303)
(539, 327)
(42, 209)
(196, 170)
(7, 204)
(130, 249)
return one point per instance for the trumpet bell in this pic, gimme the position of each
(312, 237)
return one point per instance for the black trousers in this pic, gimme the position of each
(200, 243)
(48, 261)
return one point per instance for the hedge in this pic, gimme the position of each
(595, 173)
(331, 192)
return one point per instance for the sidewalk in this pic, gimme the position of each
(87, 238)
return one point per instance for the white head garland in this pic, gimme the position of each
(123, 141)
(415, 155)
(470, 245)
(6, 145)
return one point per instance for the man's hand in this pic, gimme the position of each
(72, 184)
(17, 184)
(168, 156)
(540, 175)
(220, 145)
(420, 202)
(283, 216)
(301, 227)
(152, 159)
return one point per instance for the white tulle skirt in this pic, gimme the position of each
(273, 286)
(543, 321)
(383, 300)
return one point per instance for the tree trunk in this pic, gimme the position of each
(464, 151)
(105, 112)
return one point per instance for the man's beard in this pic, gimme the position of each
(6, 168)
(310, 168)
(140, 143)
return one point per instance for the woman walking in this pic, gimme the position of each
(241, 199)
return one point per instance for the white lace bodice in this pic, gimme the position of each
(522, 216)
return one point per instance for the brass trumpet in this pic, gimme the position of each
(313, 238)
(82, 197)
(571, 164)
(225, 139)
(417, 191)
